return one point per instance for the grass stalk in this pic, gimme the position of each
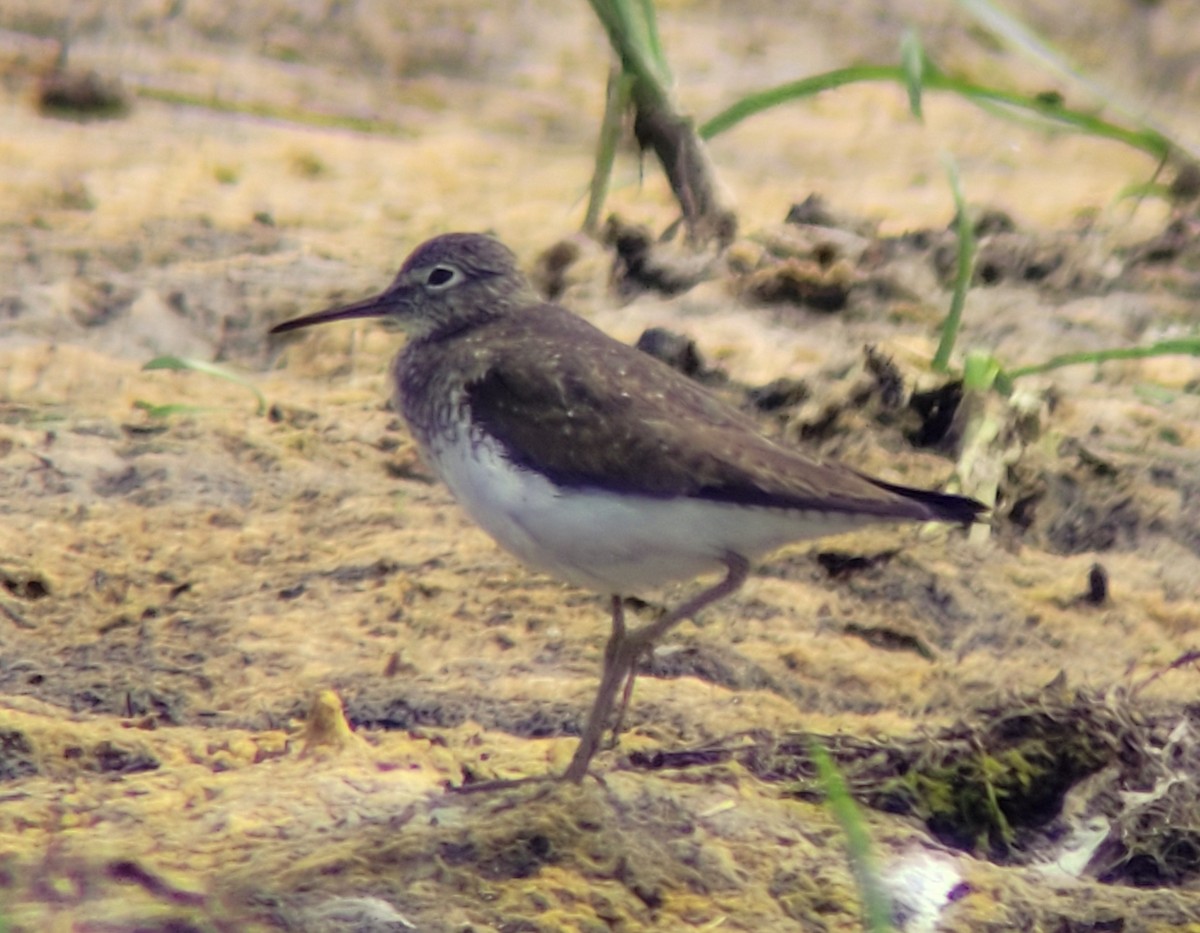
(180, 364)
(659, 125)
(962, 275)
(877, 909)
(1050, 110)
(616, 103)
(1181, 346)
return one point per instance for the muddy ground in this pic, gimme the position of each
(188, 593)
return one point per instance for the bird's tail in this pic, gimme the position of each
(941, 506)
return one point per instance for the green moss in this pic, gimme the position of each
(979, 795)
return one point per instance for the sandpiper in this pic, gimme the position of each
(594, 462)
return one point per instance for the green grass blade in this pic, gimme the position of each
(1057, 115)
(912, 60)
(962, 275)
(1014, 33)
(297, 115)
(877, 911)
(180, 363)
(1054, 114)
(166, 411)
(1182, 346)
(620, 86)
(980, 371)
(759, 101)
(633, 34)
(649, 21)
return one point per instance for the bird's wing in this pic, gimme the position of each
(593, 413)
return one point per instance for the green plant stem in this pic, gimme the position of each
(620, 84)
(634, 37)
(659, 125)
(1012, 32)
(962, 276)
(913, 62)
(1183, 346)
(297, 115)
(183, 364)
(934, 80)
(877, 912)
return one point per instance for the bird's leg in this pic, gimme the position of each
(617, 663)
(623, 649)
(738, 570)
(626, 695)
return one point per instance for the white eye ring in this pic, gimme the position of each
(442, 276)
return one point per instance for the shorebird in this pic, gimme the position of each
(594, 462)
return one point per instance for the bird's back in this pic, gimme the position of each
(562, 398)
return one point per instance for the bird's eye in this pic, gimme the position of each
(440, 277)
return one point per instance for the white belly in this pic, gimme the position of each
(607, 542)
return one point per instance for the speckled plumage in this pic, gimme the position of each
(592, 460)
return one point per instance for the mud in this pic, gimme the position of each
(245, 654)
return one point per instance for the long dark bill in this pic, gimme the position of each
(375, 306)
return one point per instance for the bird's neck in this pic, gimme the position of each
(429, 377)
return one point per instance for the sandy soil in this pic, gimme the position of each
(186, 601)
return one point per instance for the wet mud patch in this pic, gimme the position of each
(840, 264)
(643, 262)
(1081, 501)
(900, 606)
(16, 756)
(416, 707)
(712, 664)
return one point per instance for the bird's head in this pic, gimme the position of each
(447, 283)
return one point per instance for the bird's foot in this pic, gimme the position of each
(487, 787)
(547, 781)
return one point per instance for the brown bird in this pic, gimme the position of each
(594, 462)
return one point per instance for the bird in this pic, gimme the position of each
(594, 462)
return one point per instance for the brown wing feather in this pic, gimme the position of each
(602, 415)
